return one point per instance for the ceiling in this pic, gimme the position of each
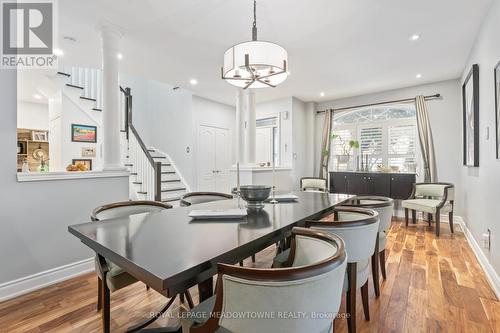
(342, 48)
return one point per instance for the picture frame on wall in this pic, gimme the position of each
(83, 133)
(88, 152)
(497, 108)
(470, 101)
(84, 161)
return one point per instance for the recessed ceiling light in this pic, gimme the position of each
(119, 56)
(37, 96)
(322, 94)
(415, 37)
(58, 52)
(193, 82)
(419, 76)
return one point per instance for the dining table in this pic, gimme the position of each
(172, 252)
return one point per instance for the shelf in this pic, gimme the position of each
(22, 154)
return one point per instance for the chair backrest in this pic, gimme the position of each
(313, 287)
(314, 184)
(193, 198)
(382, 205)
(435, 190)
(126, 208)
(358, 228)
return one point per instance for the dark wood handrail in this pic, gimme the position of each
(130, 128)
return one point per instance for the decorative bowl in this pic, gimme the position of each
(255, 195)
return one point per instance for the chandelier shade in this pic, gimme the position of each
(255, 64)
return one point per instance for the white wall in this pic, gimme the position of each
(32, 115)
(482, 185)
(209, 113)
(34, 216)
(445, 117)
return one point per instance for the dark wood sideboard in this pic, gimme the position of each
(392, 185)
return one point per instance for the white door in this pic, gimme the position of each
(206, 158)
(264, 144)
(214, 159)
(222, 160)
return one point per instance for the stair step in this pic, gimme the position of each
(171, 199)
(137, 183)
(133, 173)
(168, 172)
(142, 192)
(88, 98)
(158, 156)
(171, 181)
(174, 189)
(129, 164)
(151, 150)
(100, 110)
(166, 164)
(64, 74)
(73, 86)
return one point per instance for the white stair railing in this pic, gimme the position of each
(90, 79)
(142, 166)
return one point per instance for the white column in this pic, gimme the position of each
(250, 127)
(110, 37)
(239, 126)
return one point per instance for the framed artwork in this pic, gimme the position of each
(88, 152)
(497, 108)
(83, 133)
(84, 161)
(470, 101)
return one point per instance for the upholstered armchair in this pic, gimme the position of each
(433, 199)
(312, 285)
(313, 184)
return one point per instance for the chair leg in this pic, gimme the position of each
(189, 299)
(364, 298)
(414, 216)
(99, 294)
(406, 216)
(181, 298)
(241, 263)
(382, 263)
(147, 287)
(106, 311)
(429, 219)
(351, 297)
(450, 217)
(438, 222)
(253, 257)
(375, 269)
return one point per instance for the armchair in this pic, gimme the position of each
(433, 199)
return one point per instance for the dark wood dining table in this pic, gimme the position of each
(170, 252)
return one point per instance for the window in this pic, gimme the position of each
(267, 139)
(387, 137)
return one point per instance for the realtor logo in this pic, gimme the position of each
(27, 34)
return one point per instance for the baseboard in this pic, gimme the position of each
(40, 280)
(490, 272)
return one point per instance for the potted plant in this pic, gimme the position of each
(346, 147)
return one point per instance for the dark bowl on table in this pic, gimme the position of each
(255, 195)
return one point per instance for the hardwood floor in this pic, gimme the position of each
(433, 285)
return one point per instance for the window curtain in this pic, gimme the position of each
(325, 145)
(425, 138)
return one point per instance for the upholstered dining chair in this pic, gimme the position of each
(358, 228)
(313, 184)
(384, 207)
(433, 199)
(312, 284)
(192, 198)
(111, 277)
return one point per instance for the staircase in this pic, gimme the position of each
(153, 176)
(172, 187)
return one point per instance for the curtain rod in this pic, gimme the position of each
(381, 103)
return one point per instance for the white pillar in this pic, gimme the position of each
(110, 37)
(250, 127)
(239, 126)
